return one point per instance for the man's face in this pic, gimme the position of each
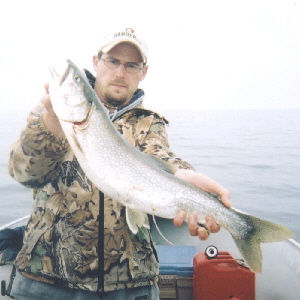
(114, 84)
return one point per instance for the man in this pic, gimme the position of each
(60, 254)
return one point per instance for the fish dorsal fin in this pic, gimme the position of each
(161, 164)
(136, 219)
(160, 233)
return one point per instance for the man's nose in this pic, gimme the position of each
(121, 71)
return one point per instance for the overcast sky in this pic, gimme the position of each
(202, 54)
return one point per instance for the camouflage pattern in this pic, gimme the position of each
(61, 238)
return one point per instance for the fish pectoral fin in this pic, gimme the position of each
(136, 219)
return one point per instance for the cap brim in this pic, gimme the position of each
(110, 46)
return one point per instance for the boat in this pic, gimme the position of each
(280, 276)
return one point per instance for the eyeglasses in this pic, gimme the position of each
(130, 67)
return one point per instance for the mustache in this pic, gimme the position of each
(119, 82)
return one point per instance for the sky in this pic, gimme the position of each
(212, 54)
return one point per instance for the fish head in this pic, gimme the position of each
(69, 92)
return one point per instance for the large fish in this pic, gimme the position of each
(143, 184)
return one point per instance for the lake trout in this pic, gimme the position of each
(143, 184)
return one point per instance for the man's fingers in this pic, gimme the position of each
(225, 198)
(202, 233)
(194, 227)
(46, 101)
(227, 203)
(48, 106)
(46, 86)
(212, 225)
(193, 224)
(179, 218)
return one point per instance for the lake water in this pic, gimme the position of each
(255, 154)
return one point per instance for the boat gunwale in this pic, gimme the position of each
(14, 222)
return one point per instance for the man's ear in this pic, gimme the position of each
(145, 70)
(95, 61)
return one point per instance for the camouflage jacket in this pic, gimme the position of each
(61, 238)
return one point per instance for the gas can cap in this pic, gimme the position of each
(211, 251)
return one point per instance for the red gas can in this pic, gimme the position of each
(221, 278)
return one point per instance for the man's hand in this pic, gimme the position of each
(49, 117)
(209, 185)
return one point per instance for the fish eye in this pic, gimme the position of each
(77, 78)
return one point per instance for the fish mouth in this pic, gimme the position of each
(84, 123)
(64, 67)
(65, 74)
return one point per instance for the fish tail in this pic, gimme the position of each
(260, 231)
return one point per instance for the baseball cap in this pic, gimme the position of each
(128, 35)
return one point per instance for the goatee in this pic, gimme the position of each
(116, 102)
